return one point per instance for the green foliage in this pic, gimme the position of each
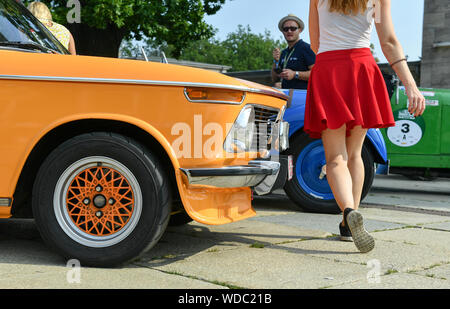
(176, 22)
(242, 50)
(248, 51)
(372, 49)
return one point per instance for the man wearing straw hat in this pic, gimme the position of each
(293, 65)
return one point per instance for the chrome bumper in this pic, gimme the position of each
(233, 176)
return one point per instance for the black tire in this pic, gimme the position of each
(306, 189)
(125, 218)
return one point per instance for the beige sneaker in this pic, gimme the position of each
(362, 239)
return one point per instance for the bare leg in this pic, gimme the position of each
(345, 168)
(355, 163)
(338, 173)
(345, 174)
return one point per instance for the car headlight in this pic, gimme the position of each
(240, 138)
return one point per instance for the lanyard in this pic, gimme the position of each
(287, 57)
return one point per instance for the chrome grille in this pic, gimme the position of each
(265, 117)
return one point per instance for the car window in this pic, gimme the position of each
(17, 24)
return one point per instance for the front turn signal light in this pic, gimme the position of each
(214, 95)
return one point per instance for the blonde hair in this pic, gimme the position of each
(348, 7)
(40, 10)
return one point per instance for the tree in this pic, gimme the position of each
(242, 50)
(248, 51)
(105, 23)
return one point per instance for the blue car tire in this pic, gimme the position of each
(309, 188)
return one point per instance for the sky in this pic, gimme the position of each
(262, 15)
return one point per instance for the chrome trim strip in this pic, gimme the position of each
(143, 82)
(271, 93)
(210, 101)
(5, 201)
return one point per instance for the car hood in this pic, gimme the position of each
(100, 69)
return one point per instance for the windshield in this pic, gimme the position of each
(18, 25)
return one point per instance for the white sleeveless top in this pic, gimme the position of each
(339, 31)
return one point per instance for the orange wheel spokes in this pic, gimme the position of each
(100, 201)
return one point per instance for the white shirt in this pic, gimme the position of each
(339, 31)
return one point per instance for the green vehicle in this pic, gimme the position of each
(419, 146)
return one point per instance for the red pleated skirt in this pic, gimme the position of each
(346, 87)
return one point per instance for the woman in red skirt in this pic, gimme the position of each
(347, 95)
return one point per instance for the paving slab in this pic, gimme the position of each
(431, 240)
(438, 271)
(444, 226)
(249, 231)
(399, 191)
(322, 222)
(181, 242)
(26, 264)
(396, 281)
(404, 184)
(393, 253)
(414, 203)
(297, 251)
(15, 252)
(262, 268)
(131, 277)
(401, 217)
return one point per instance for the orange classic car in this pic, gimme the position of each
(103, 152)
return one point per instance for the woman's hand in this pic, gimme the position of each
(416, 104)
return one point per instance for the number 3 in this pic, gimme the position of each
(405, 128)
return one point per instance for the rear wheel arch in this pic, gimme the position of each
(376, 155)
(22, 194)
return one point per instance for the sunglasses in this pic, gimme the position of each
(286, 29)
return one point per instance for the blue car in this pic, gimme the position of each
(309, 187)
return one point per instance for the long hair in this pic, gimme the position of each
(40, 10)
(348, 7)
